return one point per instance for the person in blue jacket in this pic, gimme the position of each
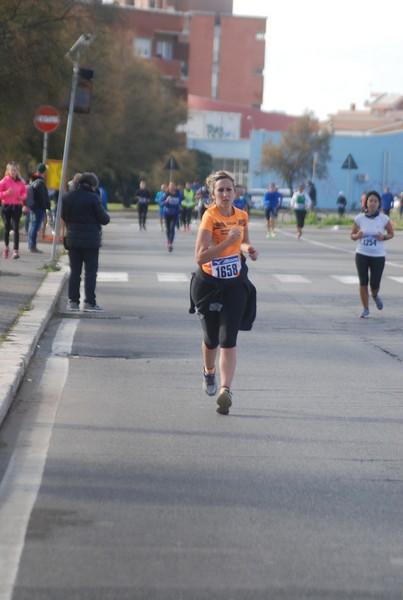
(240, 200)
(171, 202)
(387, 201)
(271, 202)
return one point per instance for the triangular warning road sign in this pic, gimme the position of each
(171, 164)
(349, 163)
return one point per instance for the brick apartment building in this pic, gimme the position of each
(214, 61)
(200, 47)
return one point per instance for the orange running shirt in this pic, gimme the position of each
(228, 264)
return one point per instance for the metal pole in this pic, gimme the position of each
(314, 161)
(74, 54)
(45, 147)
(65, 158)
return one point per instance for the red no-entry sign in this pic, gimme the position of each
(46, 119)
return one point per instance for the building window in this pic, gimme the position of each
(259, 72)
(164, 49)
(142, 47)
(184, 68)
(260, 36)
(238, 167)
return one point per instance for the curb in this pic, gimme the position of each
(17, 351)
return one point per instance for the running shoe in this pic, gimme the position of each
(209, 383)
(16, 254)
(73, 306)
(224, 401)
(5, 252)
(378, 302)
(364, 314)
(92, 308)
(170, 248)
(268, 235)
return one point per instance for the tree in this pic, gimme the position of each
(204, 164)
(133, 118)
(33, 41)
(294, 156)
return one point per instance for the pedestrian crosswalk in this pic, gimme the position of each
(172, 277)
(112, 277)
(347, 279)
(344, 279)
(286, 278)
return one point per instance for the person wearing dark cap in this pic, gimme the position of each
(41, 202)
(83, 216)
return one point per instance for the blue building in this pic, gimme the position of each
(379, 160)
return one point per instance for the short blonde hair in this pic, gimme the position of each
(214, 177)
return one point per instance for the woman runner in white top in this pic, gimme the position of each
(371, 229)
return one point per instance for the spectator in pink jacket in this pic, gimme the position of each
(12, 195)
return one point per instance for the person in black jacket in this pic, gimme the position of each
(142, 198)
(40, 204)
(83, 215)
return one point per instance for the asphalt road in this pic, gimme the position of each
(120, 481)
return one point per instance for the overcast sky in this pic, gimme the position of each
(323, 56)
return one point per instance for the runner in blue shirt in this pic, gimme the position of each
(240, 200)
(158, 197)
(271, 202)
(171, 203)
(387, 201)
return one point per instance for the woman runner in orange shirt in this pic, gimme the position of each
(221, 292)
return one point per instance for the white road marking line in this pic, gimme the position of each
(347, 279)
(398, 279)
(172, 277)
(285, 278)
(112, 277)
(22, 480)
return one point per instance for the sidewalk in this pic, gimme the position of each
(28, 295)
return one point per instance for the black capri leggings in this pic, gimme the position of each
(370, 269)
(300, 216)
(220, 327)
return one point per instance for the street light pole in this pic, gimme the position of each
(74, 54)
(249, 119)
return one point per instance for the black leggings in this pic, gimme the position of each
(220, 327)
(11, 214)
(188, 216)
(373, 265)
(142, 211)
(170, 224)
(300, 216)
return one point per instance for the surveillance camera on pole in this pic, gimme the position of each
(73, 54)
(83, 41)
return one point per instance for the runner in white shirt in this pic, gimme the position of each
(371, 229)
